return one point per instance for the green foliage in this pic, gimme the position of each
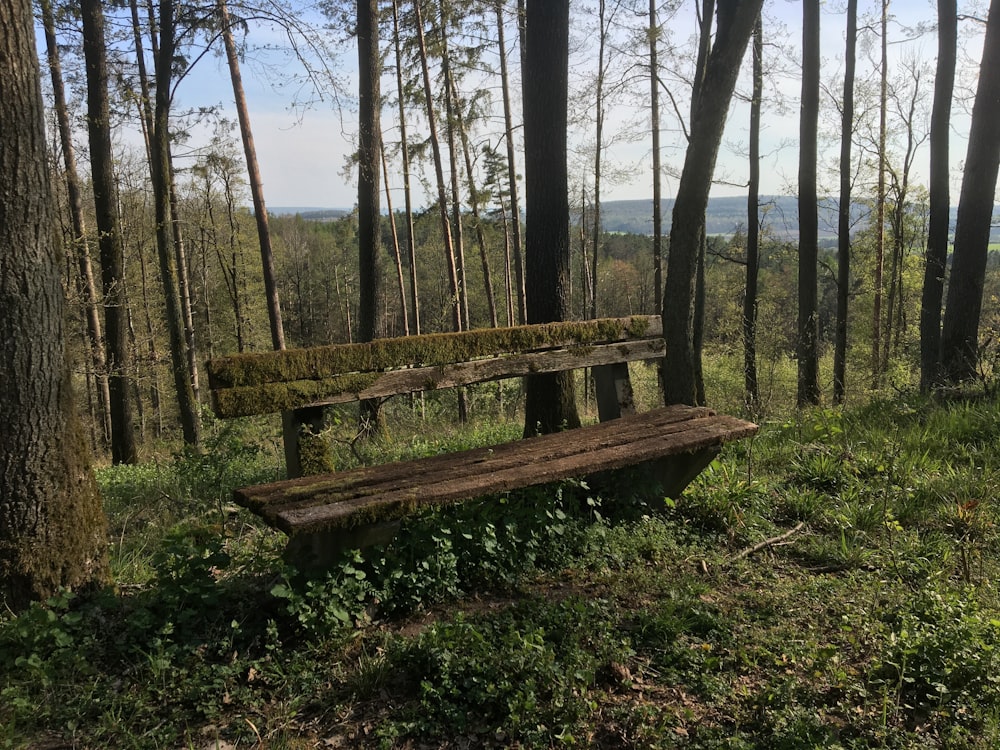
(581, 614)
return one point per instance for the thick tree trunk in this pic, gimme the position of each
(680, 367)
(550, 402)
(371, 323)
(940, 209)
(52, 529)
(960, 332)
(808, 340)
(123, 447)
(750, 384)
(844, 209)
(81, 249)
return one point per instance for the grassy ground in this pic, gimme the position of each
(828, 584)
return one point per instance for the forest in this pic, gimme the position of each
(815, 229)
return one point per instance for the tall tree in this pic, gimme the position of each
(371, 323)
(880, 200)
(161, 173)
(681, 365)
(123, 447)
(750, 384)
(960, 331)
(808, 339)
(515, 205)
(256, 182)
(81, 248)
(654, 114)
(844, 208)
(52, 529)
(442, 194)
(404, 148)
(940, 210)
(550, 402)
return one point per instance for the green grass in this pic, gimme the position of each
(560, 617)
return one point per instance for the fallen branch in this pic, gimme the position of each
(766, 543)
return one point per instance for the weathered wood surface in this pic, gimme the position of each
(265, 398)
(267, 382)
(378, 494)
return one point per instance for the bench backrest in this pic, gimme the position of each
(268, 382)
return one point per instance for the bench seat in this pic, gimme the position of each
(361, 506)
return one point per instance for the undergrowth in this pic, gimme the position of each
(829, 583)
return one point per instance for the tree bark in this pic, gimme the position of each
(808, 340)
(960, 332)
(117, 355)
(940, 210)
(880, 203)
(750, 384)
(256, 183)
(844, 209)
(160, 169)
(550, 403)
(442, 195)
(81, 249)
(371, 323)
(404, 147)
(515, 205)
(52, 529)
(680, 367)
(654, 108)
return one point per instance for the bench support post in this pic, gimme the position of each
(305, 452)
(614, 391)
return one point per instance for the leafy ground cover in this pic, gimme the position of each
(829, 584)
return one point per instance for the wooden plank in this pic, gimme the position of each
(272, 397)
(384, 493)
(322, 362)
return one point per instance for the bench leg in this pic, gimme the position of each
(305, 452)
(613, 389)
(674, 473)
(319, 550)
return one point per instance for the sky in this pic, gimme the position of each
(302, 152)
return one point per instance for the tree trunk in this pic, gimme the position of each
(404, 147)
(160, 169)
(679, 366)
(960, 332)
(442, 196)
(123, 447)
(397, 253)
(751, 386)
(880, 203)
(256, 183)
(451, 125)
(808, 340)
(844, 209)
(515, 205)
(371, 324)
(550, 402)
(81, 249)
(940, 209)
(654, 107)
(470, 177)
(53, 532)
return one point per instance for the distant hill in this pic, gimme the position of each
(726, 215)
(312, 213)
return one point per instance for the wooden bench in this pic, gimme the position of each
(325, 512)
